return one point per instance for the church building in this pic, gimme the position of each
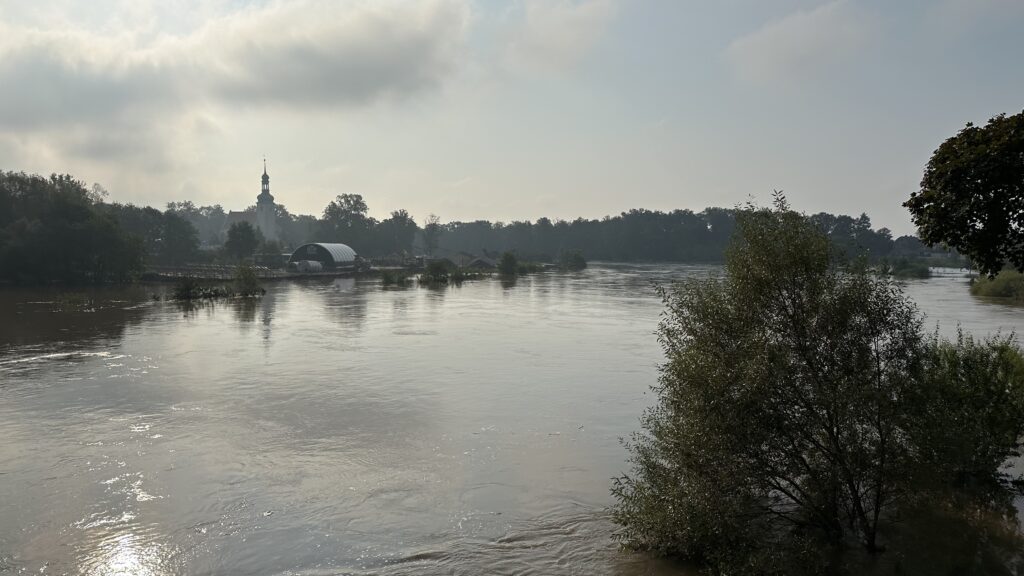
(263, 219)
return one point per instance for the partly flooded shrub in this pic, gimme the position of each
(905, 268)
(436, 272)
(508, 265)
(247, 284)
(395, 278)
(572, 260)
(1008, 284)
(191, 288)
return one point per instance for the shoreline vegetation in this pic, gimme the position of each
(244, 285)
(806, 423)
(56, 230)
(1007, 286)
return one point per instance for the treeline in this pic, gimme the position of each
(635, 236)
(55, 229)
(653, 236)
(345, 220)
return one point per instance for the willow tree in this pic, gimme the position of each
(794, 409)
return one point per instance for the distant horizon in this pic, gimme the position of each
(470, 109)
(419, 220)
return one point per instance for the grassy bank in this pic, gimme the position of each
(1007, 285)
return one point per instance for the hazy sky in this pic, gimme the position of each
(503, 110)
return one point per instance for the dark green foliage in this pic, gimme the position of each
(1008, 285)
(905, 268)
(242, 240)
(436, 272)
(394, 278)
(345, 220)
(167, 237)
(972, 194)
(801, 411)
(572, 260)
(245, 285)
(524, 268)
(431, 234)
(508, 265)
(395, 235)
(189, 288)
(442, 272)
(966, 417)
(53, 230)
(207, 220)
(653, 236)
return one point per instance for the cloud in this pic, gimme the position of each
(319, 55)
(100, 94)
(557, 33)
(805, 46)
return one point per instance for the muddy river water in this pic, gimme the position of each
(338, 426)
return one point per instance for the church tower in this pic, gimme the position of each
(266, 217)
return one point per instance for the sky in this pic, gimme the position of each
(480, 109)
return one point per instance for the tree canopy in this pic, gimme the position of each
(242, 240)
(56, 230)
(801, 411)
(972, 194)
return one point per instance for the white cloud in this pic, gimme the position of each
(805, 46)
(557, 33)
(100, 95)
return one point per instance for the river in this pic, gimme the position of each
(338, 426)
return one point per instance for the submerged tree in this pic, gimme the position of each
(796, 409)
(508, 266)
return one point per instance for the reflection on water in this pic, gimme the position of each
(337, 426)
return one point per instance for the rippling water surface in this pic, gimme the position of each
(338, 426)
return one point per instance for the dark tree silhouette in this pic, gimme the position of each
(242, 240)
(972, 194)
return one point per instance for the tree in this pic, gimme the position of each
(242, 240)
(396, 234)
(179, 239)
(55, 230)
(508, 265)
(798, 411)
(431, 234)
(972, 194)
(345, 220)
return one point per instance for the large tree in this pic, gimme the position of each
(972, 194)
(802, 410)
(242, 240)
(345, 220)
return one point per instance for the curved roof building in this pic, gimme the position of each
(330, 256)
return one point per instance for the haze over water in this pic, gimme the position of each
(340, 427)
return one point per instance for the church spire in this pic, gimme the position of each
(265, 189)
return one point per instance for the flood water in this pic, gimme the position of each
(339, 427)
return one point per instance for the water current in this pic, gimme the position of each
(341, 427)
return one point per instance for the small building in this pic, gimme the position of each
(482, 263)
(331, 257)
